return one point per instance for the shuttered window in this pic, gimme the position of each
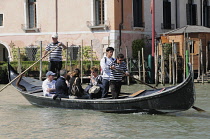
(99, 12)
(1, 19)
(166, 14)
(206, 14)
(32, 13)
(191, 10)
(138, 13)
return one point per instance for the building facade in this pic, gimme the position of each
(100, 23)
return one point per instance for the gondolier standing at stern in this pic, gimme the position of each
(106, 70)
(55, 57)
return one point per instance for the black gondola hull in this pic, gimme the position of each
(172, 99)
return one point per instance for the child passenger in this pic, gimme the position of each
(95, 80)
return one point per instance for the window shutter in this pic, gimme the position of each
(1, 19)
(188, 10)
(137, 13)
(208, 16)
(134, 13)
(194, 14)
(140, 13)
(32, 13)
(167, 15)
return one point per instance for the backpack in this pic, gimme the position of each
(75, 89)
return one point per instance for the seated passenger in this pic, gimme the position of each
(68, 78)
(95, 80)
(61, 86)
(76, 81)
(48, 84)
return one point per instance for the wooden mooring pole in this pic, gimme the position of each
(156, 64)
(192, 55)
(66, 62)
(19, 61)
(91, 62)
(207, 58)
(139, 64)
(81, 58)
(40, 63)
(202, 68)
(170, 69)
(162, 68)
(143, 65)
(173, 63)
(127, 62)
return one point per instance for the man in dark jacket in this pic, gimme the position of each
(61, 86)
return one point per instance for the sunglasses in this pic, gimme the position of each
(121, 60)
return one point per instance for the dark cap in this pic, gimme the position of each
(109, 49)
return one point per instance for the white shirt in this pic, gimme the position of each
(105, 68)
(47, 84)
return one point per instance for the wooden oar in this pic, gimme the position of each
(137, 79)
(27, 69)
(194, 107)
(142, 82)
(198, 109)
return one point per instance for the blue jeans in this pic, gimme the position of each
(105, 88)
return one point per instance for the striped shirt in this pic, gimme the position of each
(117, 73)
(55, 55)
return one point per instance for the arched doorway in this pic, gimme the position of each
(4, 54)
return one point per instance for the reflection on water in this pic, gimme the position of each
(20, 119)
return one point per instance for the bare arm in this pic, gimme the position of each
(61, 44)
(45, 52)
(51, 89)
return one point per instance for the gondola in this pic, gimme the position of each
(155, 101)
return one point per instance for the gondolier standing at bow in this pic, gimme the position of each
(106, 70)
(55, 57)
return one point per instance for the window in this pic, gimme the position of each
(191, 10)
(166, 14)
(73, 52)
(209, 46)
(1, 19)
(99, 12)
(32, 13)
(30, 25)
(138, 13)
(206, 14)
(31, 52)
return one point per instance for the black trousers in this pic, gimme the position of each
(55, 66)
(115, 88)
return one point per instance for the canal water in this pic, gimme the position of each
(19, 119)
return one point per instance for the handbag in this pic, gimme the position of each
(94, 89)
(75, 89)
